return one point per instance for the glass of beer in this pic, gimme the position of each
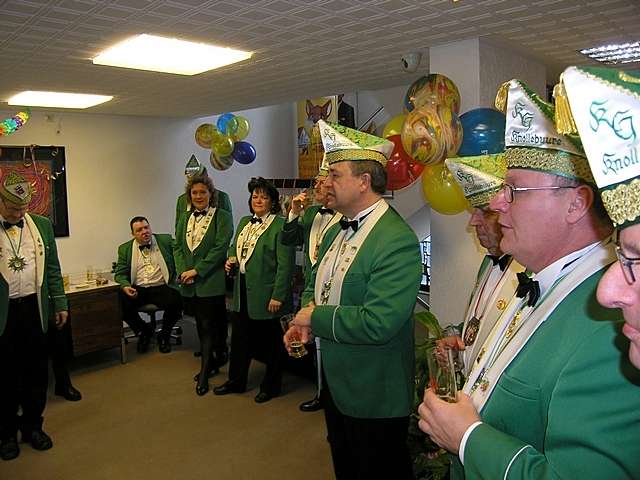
(298, 350)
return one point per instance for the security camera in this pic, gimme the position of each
(410, 61)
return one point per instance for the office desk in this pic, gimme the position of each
(96, 321)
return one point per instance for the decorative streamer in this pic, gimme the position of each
(10, 125)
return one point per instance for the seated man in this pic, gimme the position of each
(147, 274)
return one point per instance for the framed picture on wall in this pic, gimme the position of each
(45, 169)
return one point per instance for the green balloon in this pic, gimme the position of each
(223, 146)
(241, 128)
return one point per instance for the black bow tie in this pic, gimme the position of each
(503, 261)
(255, 220)
(8, 225)
(142, 247)
(323, 211)
(528, 287)
(198, 213)
(345, 224)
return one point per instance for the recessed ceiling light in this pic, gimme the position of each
(57, 99)
(613, 54)
(169, 55)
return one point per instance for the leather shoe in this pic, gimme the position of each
(68, 392)
(164, 345)
(311, 405)
(38, 439)
(226, 388)
(263, 397)
(9, 448)
(143, 342)
(212, 373)
(202, 389)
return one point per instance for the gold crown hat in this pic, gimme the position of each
(15, 188)
(531, 139)
(193, 167)
(346, 144)
(323, 172)
(603, 106)
(480, 177)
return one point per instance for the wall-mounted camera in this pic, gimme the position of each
(411, 61)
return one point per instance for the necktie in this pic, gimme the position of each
(143, 247)
(528, 287)
(503, 261)
(345, 224)
(324, 211)
(7, 225)
(199, 213)
(256, 220)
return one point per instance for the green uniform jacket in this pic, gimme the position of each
(368, 341)
(181, 206)
(297, 233)
(122, 274)
(268, 274)
(51, 292)
(568, 406)
(208, 258)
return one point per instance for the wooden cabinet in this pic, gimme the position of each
(96, 321)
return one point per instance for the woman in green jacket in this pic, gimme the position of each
(202, 240)
(262, 292)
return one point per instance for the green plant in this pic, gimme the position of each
(430, 462)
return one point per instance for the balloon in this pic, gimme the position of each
(220, 163)
(244, 152)
(394, 126)
(223, 146)
(431, 133)
(432, 89)
(223, 121)
(204, 135)
(483, 132)
(402, 170)
(238, 128)
(441, 191)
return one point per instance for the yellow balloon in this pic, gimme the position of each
(240, 128)
(394, 126)
(204, 135)
(223, 146)
(441, 191)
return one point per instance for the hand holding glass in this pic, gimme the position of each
(442, 376)
(297, 348)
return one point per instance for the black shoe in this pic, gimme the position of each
(68, 392)
(221, 359)
(263, 397)
(212, 373)
(202, 389)
(9, 448)
(164, 345)
(38, 439)
(143, 342)
(311, 406)
(226, 388)
(197, 354)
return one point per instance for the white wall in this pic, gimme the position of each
(119, 166)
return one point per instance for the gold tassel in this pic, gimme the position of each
(501, 97)
(565, 123)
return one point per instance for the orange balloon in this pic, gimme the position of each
(441, 191)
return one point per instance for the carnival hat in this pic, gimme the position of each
(480, 177)
(193, 167)
(346, 144)
(15, 188)
(531, 139)
(603, 106)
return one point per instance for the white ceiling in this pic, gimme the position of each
(302, 48)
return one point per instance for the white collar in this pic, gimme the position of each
(361, 215)
(152, 243)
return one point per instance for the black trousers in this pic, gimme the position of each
(366, 448)
(23, 368)
(212, 323)
(166, 298)
(247, 335)
(60, 349)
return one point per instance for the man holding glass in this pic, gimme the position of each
(548, 396)
(360, 303)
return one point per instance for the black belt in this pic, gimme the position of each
(19, 300)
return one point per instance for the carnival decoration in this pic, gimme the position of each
(225, 139)
(435, 89)
(442, 191)
(483, 132)
(11, 124)
(394, 126)
(402, 170)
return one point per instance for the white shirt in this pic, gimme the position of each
(21, 283)
(148, 273)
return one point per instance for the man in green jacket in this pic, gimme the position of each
(550, 395)
(146, 273)
(360, 303)
(30, 290)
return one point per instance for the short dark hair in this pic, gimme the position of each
(136, 220)
(207, 182)
(376, 171)
(262, 185)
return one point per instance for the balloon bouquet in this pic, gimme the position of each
(226, 141)
(429, 131)
(11, 124)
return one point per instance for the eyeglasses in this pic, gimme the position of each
(627, 264)
(509, 190)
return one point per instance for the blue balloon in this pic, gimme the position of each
(222, 122)
(482, 132)
(243, 152)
